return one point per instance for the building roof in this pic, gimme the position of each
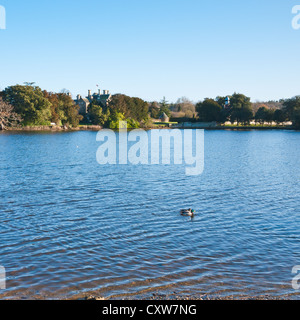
(105, 96)
(102, 98)
(163, 116)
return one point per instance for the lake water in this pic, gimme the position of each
(70, 227)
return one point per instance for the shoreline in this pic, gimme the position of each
(53, 129)
(180, 296)
(98, 128)
(204, 297)
(155, 296)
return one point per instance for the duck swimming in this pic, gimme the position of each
(187, 212)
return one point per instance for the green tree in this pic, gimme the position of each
(296, 118)
(97, 115)
(164, 108)
(269, 115)
(132, 124)
(292, 108)
(221, 100)
(56, 113)
(241, 109)
(154, 110)
(134, 108)
(209, 110)
(260, 115)
(138, 109)
(114, 119)
(264, 114)
(279, 116)
(29, 102)
(63, 109)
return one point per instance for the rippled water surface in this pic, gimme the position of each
(70, 226)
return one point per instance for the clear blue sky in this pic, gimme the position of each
(153, 48)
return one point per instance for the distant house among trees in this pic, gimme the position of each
(83, 104)
(164, 118)
(103, 100)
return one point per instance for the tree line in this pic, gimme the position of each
(36, 107)
(29, 105)
(120, 108)
(241, 111)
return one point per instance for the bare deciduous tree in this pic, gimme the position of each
(8, 118)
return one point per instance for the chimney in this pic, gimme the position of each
(89, 93)
(99, 92)
(78, 97)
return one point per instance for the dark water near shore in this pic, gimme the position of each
(70, 226)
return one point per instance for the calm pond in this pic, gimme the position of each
(70, 226)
